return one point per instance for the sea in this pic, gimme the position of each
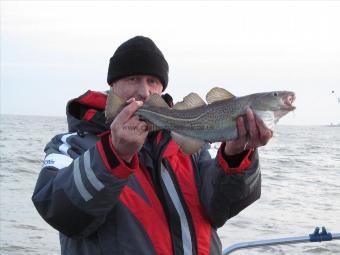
(300, 189)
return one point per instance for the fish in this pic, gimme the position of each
(194, 122)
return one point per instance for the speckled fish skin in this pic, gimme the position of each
(216, 122)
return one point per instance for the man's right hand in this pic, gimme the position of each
(128, 132)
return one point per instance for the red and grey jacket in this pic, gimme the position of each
(163, 202)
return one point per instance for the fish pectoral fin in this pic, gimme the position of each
(156, 100)
(188, 145)
(218, 94)
(190, 101)
(114, 105)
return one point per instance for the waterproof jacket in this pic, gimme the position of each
(163, 202)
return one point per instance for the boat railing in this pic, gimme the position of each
(316, 236)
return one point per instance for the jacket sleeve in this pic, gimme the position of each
(225, 189)
(79, 183)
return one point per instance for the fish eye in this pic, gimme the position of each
(275, 94)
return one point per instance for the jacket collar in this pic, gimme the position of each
(86, 113)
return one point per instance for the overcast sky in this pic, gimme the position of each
(54, 51)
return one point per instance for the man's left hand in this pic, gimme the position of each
(256, 134)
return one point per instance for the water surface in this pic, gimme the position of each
(300, 189)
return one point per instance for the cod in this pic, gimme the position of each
(194, 122)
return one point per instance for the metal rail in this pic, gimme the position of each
(317, 236)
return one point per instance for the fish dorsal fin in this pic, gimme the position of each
(114, 105)
(187, 144)
(156, 100)
(190, 101)
(218, 94)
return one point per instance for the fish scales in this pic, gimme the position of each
(214, 122)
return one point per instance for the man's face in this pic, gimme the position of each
(138, 86)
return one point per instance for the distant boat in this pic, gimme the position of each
(333, 125)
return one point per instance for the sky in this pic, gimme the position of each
(53, 51)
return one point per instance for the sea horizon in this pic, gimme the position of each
(334, 124)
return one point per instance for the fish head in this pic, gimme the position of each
(274, 101)
(271, 106)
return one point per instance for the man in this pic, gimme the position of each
(118, 189)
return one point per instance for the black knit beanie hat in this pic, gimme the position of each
(139, 55)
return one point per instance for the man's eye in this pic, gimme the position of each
(131, 79)
(154, 81)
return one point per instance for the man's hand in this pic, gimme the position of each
(255, 136)
(128, 132)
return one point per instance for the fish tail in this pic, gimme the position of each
(114, 104)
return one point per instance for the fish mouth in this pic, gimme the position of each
(288, 101)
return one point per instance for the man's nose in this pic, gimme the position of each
(143, 89)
